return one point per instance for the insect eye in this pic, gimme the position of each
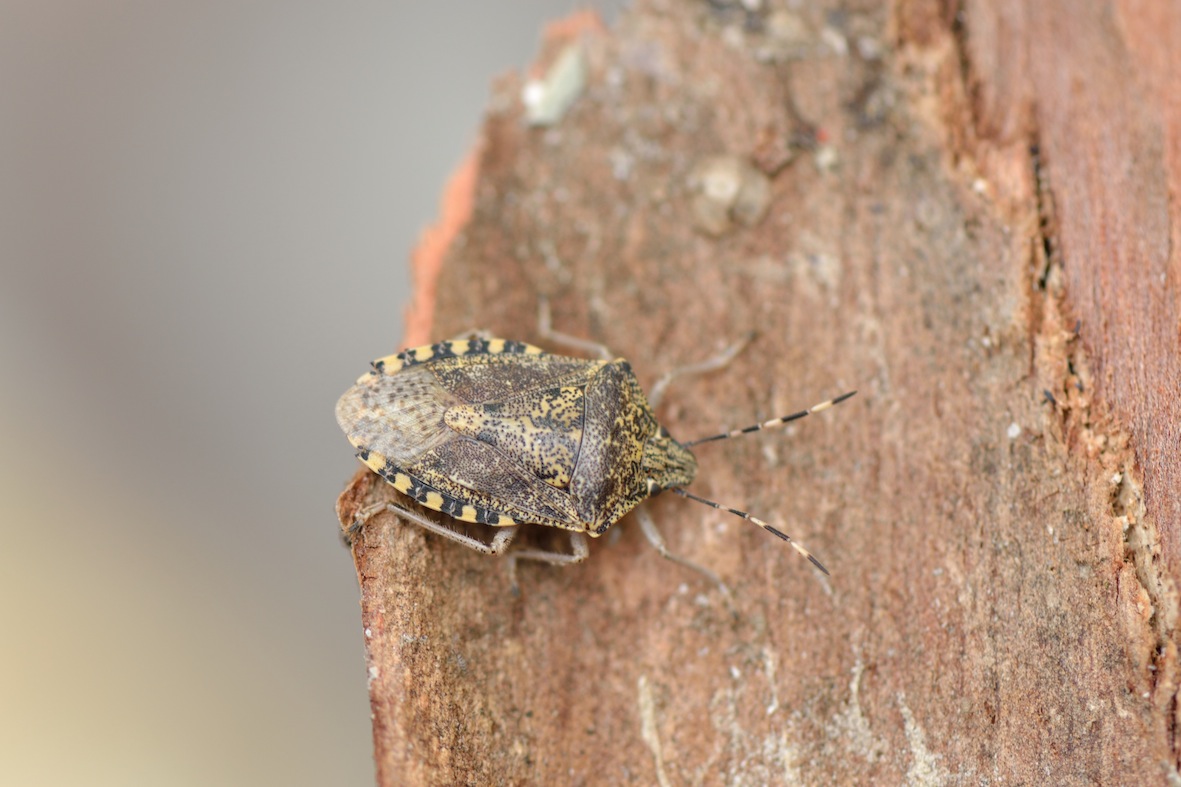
(654, 488)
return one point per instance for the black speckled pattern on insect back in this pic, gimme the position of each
(502, 433)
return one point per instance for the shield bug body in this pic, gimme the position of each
(502, 433)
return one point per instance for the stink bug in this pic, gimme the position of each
(502, 433)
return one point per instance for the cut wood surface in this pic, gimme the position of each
(973, 219)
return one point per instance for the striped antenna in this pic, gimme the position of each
(757, 521)
(816, 408)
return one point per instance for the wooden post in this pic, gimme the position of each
(973, 219)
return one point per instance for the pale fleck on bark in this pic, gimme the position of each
(970, 221)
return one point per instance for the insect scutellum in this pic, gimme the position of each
(677, 467)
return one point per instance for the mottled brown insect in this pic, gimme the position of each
(502, 433)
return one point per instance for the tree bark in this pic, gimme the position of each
(972, 220)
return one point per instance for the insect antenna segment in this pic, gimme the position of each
(816, 408)
(766, 526)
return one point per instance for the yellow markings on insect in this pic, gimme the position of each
(505, 521)
(460, 347)
(402, 483)
(374, 461)
(495, 346)
(468, 514)
(388, 365)
(433, 500)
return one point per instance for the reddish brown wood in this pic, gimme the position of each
(998, 506)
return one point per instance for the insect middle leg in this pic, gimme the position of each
(545, 327)
(497, 546)
(578, 553)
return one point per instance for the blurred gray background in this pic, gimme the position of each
(206, 211)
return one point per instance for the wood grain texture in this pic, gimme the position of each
(983, 241)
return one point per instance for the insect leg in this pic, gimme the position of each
(719, 361)
(578, 553)
(648, 526)
(499, 543)
(545, 327)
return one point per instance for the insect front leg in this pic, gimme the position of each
(578, 553)
(719, 361)
(648, 526)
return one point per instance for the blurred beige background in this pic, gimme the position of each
(206, 210)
